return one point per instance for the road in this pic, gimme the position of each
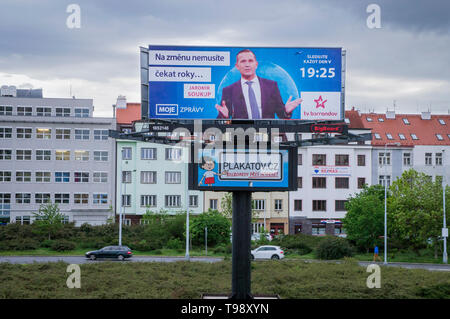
(83, 260)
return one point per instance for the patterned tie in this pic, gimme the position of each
(252, 99)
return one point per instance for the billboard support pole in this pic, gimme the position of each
(241, 234)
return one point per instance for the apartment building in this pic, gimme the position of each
(150, 176)
(404, 141)
(54, 150)
(327, 177)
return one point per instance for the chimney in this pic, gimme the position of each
(390, 115)
(426, 116)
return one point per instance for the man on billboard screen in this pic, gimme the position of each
(254, 83)
(253, 97)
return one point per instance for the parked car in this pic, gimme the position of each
(267, 252)
(257, 236)
(119, 252)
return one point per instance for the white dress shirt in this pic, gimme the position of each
(257, 89)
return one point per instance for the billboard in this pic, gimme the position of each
(191, 82)
(221, 169)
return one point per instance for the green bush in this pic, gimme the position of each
(47, 243)
(298, 241)
(66, 231)
(334, 248)
(16, 231)
(62, 245)
(141, 245)
(89, 244)
(157, 252)
(297, 251)
(220, 249)
(223, 249)
(294, 244)
(19, 244)
(174, 243)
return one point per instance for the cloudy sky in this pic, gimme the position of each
(406, 60)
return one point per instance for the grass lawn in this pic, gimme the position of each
(291, 279)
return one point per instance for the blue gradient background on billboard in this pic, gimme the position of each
(279, 64)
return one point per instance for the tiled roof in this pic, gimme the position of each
(408, 125)
(354, 118)
(130, 114)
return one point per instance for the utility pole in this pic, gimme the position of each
(444, 229)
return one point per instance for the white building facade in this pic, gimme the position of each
(153, 177)
(327, 177)
(54, 150)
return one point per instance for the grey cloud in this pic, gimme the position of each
(412, 43)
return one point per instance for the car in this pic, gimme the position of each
(257, 236)
(267, 252)
(119, 252)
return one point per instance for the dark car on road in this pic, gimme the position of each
(118, 252)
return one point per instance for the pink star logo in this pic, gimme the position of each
(320, 102)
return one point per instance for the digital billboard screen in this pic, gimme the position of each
(192, 82)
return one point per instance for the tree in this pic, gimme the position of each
(218, 228)
(364, 221)
(48, 219)
(151, 217)
(415, 210)
(226, 205)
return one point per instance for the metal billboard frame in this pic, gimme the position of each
(144, 71)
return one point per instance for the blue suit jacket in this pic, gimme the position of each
(271, 101)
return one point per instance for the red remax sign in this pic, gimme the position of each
(327, 128)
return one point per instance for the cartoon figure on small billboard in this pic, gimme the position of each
(208, 164)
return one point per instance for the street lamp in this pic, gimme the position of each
(124, 194)
(187, 257)
(385, 200)
(444, 229)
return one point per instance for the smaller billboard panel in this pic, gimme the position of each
(243, 169)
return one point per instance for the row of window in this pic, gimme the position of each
(149, 177)
(340, 182)
(151, 153)
(385, 180)
(339, 160)
(59, 198)
(401, 136)
(43, 111)
(46, 155)
(26, 220)
(384, 158)
(257, 204)
(405, 120)
(59, 133)
(170, 201)
(320, 205)
(429, 159)
(59, 177)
